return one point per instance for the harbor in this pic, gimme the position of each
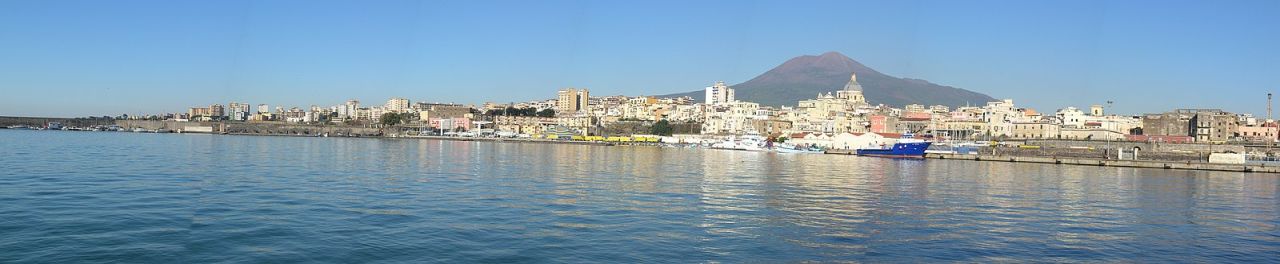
(1176, 156)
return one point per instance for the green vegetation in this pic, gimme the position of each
(661, 128)
(391, 119)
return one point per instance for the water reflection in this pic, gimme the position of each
(206, 198)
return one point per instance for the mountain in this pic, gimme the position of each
(804, 77)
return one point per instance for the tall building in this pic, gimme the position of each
(216, 111)
(348, 109)
(584, 100)
(572, 100)
(397, 105)
(198, 112)
(238, 111)
(719, 94)
(264, 109)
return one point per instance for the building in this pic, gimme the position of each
(1203, 125)
(197, 112)
(450, 124)
(264, 109)
(1263, 133)
(852, 91)
(1091, 134)
(845, 111)
(238, 111)
(428, 111)
(349, 109)
(1071, 117)
(719, 93)
(1095, 110)
(528, 125)
(397, 105)
(734, 118)
(217, 112)
(1036, 130)
(1213, 125)
(572, 101)
(1175, 123)
(882, 124)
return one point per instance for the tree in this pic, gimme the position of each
(547, 113)
(391, 119)
(661, 128)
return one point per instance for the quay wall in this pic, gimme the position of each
(42, 121)
(156, 124)
(254, 128)
(1183, 165)
(1144, 146)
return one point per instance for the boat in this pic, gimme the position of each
(746, 142)
(905, 147)
(792, 148)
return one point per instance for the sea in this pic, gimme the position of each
(120, 197)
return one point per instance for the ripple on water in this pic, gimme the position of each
(163, 198)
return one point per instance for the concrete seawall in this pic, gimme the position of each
(42, 121)
(1180, 165)
(253, 128)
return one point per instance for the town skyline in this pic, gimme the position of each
(153, 57)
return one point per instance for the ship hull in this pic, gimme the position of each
(899, 150)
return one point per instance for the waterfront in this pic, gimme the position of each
(101, 197)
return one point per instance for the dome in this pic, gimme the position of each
(853, 84)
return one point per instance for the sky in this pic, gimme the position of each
(81, 58)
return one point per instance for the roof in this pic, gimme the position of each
(890, 135)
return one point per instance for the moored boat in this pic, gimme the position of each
(745, 142)
(906, 147)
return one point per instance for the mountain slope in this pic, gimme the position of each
(804, 77)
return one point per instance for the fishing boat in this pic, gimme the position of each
(905, 147)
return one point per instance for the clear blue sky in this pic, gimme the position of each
(77, 58)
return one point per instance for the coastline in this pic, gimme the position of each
(1078, 161)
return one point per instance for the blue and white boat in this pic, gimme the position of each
(906, 147)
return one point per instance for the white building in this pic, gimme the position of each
(719, 94)
(238, 111)
(397, 105)
(734, 118)
(348, 110)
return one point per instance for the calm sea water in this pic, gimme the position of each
(170, 198)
